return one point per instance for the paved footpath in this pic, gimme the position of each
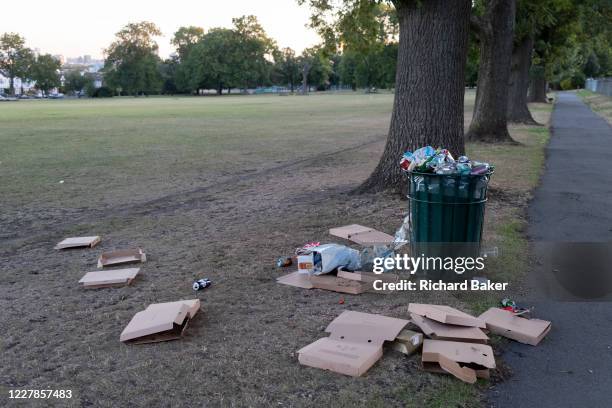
(572, 367)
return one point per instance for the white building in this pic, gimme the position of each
(5, 84)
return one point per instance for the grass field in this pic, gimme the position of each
(214, 187)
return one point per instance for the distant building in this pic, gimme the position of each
(5, 84)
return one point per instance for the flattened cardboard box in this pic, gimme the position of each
(121, 256)
(362, 235)
(441, 331)
(504, 323)
(369, 277)
(296, 279)
(446, 314)
(109, 278)
(336, 284)
(466, 361)
(78, 242)
(160, 322)
(354, 345)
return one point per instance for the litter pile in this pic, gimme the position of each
(337, 267)
(441, 161)
(456, 342)
(159, 321)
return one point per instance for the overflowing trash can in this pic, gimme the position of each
(447, 199)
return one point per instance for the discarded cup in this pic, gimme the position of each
(201, 284)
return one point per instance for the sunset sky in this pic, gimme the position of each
(73, 28)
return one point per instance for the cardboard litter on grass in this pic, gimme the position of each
(504, 323)
(344, 282)
(121, 256)
(78, 242)
(160, 322)
(354, 345)
(441, 331)
(109, 278)
(336, 284)
(296, 279)
(466, 361)
(445, 314)
(369, 277)
(361, 235)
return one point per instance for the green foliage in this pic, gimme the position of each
(318, 66)
(373, 69)
(228, 58)
(185, 38)
(45, 71)
(287, 68)
(567, 84)
(102, 92)
(15, 58)
(131, 65)
(76, 81)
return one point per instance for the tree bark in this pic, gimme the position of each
(429, 92)
(12, 86)
(496, 32)
(519, 82)
(537, 85)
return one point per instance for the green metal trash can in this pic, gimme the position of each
(447, 213)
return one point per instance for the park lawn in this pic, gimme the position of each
(214, 187)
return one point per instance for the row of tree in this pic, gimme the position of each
(19, 61)
(242, 56)
(503, 45)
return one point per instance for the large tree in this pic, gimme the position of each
(287, 68)
(131, 64)
(45, 72)
(15, 59)
(76, 81)
(226, 58)
(429, 85)
(185, 38)
(495, 31)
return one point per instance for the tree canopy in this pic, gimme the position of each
(131, 64)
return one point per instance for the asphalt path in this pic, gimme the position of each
(572, 367)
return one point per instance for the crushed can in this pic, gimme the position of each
(201, 284)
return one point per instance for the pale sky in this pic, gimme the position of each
(76, 27)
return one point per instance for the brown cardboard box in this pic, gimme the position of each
(78, 242)
(441, 331)
(109, 278)
(454, 357)
(354, 345)
(407, 342)
(369, 277)
(504, 323)
(362, 235)
(160, 322)
(299, 280)
(336, 284)
(445, 314)
(121, 256)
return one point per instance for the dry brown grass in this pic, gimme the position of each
(228, 225)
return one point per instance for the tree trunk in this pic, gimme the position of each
(429, 91)
(519, 82)
(305, 71)
(537, 85)
(496, 32)
(12, 86)
(220, 89)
